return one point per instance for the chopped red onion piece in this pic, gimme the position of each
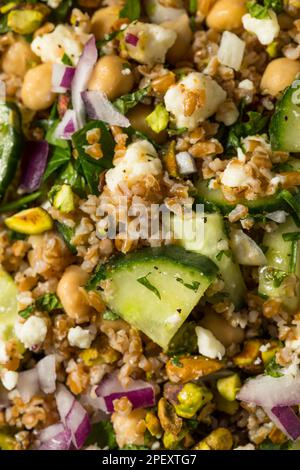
(99, 107)
(55, 437)
(64, 401)
(62, 76)
(82, 74)
(47, 373)
(33, 165)
(78, 422)
(139, 392)
(268, 391)
(28, 384)
(131, 39)
(67, 126)
(286, 420)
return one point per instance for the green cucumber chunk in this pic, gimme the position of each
(214, 241)
(213, 198)
(155, 289)
(279, 279)
(285, 123)
(10, 144)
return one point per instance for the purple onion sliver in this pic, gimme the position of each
(33, 165)
(70, 127)
(79, 424)
(67, 77)
(131, 39)
(139, 398)
(60, 441)
(288, 420)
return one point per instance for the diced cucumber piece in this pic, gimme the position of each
(213, 198)
(285, 123)
(8, 305)
(279, 279)
(155, 289)
(215, 245)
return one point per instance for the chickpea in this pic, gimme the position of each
(103, 20)
(108, 76)
(36, 89)
(71, 296)
(221, 329)
(18, 58)
(226, 15)
(279, 74)
(137, 117)
(181, 26)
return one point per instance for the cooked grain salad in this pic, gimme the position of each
(113, 336)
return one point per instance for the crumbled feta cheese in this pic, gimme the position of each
(80, 337)
(53, 3)
(9, 379)
(228, 113)
(140, 160)
(158, 13)
(32, 332)
(3, 354)
(52, 46)
(153, 42)
(246, 85)
(231, 50)
(235, 175)
(266, 29)
(208, 344)
(202, 91)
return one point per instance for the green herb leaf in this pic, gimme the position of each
(59, 158)
(273, 369)
(254, 125)
(291, 236)
(108, 315)
(126, 102)
(60, 13)
(178, 131)
(159, 118)
(107, 38)
(48, 302)
(146, 283)
(26, 312)
(194, 286)
(103, 435)
(51, 137)
(131, 10)
(176, 361)
(276, 276)
(193, 6)
(95, 279)
(22, 202)
(67, 234)
(269, 445)
(260, 9)
(222, 253)
(66, 60)
(88, 166)
(4, 28)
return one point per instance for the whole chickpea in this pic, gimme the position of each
(226, 15)
(278, 75)
(137, 117)
(19, 58)
(36, 89)
(221, 329)
(181, 26)
(103, 20)
(108, 76)
(71, 296)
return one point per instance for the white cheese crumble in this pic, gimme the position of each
(80, 337)
(246, 85)
(53, 3)
(9, 379)
(266, 29)
(140, 160)
(158, 13)
(231, 50)
(52, 46)
(32, 332)
(235, 175)
(153, 42)
(196, 84)
(208, 344)
(3, 354)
